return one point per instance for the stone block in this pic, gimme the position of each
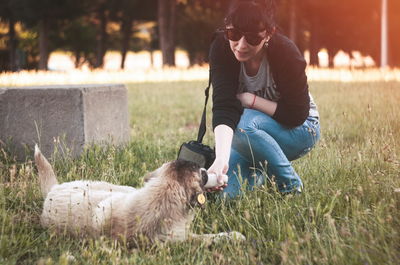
(67, 116)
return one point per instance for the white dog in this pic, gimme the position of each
(160, 211)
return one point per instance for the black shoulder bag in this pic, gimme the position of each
(195, 151)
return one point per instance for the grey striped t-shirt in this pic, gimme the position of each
(263, 85)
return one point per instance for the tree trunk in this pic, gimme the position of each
(314, 61)
(101, 39)
(12, 45)
(331, 57)
(166, 25)
(126, 29)
(77, 59)
(293, 20)
(43, 44)
(192, 57)
(394, 30)
(384, 34)
(171, 33)
(314, 42)
(151, 51)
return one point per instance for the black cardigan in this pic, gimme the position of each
(288, 70)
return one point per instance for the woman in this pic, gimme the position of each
(263, 114)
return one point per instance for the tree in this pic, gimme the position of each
(79, 37)
(336, 25)
(311, 9)
(99, 15)
(46, 13)
(9, 13)
(384, 33)
(353, 27)
(293, 20)
(394, 33)
(126, 12)
(201, 17)
(167, 28)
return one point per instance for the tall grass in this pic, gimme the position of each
(348, 214)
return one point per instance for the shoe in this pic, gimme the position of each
(296, 191)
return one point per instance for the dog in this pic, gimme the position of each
(160, 211)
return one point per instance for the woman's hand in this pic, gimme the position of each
(219, 168)
(223, 140)
(246, 99)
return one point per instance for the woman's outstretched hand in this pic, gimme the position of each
(219, 168)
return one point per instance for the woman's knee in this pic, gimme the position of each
(249, 120)
(244, 132)
(253, 120)
(241, 139)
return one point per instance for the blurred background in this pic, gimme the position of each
(126, 34)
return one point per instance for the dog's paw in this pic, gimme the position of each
(236, 236)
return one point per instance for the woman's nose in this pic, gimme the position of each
(242, 42)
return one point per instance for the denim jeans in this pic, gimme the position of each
(262, 145)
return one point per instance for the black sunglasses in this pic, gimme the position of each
(252, 38)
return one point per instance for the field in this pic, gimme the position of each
(348, 214)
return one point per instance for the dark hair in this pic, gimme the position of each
(251, 15)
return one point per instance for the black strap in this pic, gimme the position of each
(202, 128)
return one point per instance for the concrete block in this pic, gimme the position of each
(75, 114)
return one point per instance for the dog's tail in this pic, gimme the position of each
(47, 178)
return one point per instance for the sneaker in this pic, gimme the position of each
(296, 191)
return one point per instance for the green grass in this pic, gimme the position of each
(348, 214)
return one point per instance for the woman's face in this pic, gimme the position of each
(241, 48)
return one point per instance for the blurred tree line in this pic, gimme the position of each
(31, 29)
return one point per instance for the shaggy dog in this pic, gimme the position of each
(160, 211)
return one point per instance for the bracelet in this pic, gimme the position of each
(254, 101)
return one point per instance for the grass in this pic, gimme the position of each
(348, 214)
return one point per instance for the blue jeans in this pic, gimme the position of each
(262, 146)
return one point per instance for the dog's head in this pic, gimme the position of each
(186, 174)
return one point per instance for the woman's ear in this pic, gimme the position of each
(266, 43)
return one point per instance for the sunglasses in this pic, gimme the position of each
(252, 38)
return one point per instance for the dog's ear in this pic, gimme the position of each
(149, 176)
(154, 174)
